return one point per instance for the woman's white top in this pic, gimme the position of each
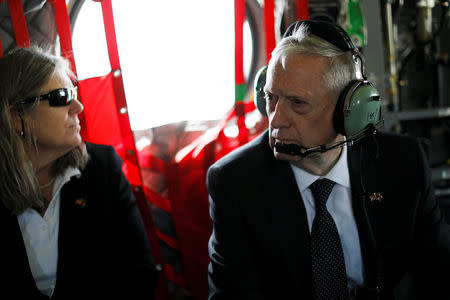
(40, 235)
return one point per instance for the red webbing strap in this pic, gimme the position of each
(269, 27)
(1, 48)
(64, 31)
(129, 144)
(65, 41)
(158, 200)
(239, 18)
(161, 291)
(19, 23)
(239, 15)
(174, 276)
(302, 12)
(124, 123)
(110, 34)
(152, 162)
(169, 240)
(119, 91)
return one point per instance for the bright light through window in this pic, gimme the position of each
(177, 57)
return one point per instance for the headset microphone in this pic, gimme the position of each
(293, 149)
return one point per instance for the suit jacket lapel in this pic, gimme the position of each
(14, 257)
(289, 210)
(73, 229)
(361, 185)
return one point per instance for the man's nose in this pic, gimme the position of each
(279, 118)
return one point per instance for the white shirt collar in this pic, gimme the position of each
(40, 235)
(339, 173)
(60, 181)
(64, 178)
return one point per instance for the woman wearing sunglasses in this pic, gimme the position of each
(69, 223)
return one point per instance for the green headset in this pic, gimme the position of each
(358, 105)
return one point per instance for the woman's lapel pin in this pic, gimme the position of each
(81, 202)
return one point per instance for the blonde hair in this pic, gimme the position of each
(23, 74)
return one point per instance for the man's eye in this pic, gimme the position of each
(269, 97)
(297, 101)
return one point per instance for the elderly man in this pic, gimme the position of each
(322, 206)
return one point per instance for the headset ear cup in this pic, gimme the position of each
(338, 118)
(358, 107)
(259, 97)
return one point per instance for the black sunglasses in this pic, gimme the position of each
(58, 97)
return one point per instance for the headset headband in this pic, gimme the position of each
(328, 31)
(331, 33)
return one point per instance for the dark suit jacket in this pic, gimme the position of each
(103, 248)
(260, 245)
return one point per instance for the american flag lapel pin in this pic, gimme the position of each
(375, 197)
(81, 202)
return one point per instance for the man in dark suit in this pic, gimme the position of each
(300, 214)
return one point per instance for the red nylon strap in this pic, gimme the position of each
(169, 240)
(239, 18)
(161, 290)
(158, 200)
(126, 133)
(269, 27)
(65, 40)
(152, 162)
(110, 32)
(19, 23)
(174, 276)
(147, 219)
(302, 11)
(124, 124)
(64, 31)
(119, 91)
(1, 48)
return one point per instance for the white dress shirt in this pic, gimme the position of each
(340, 207)
(40, 235)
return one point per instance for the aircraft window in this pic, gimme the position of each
(177, 57)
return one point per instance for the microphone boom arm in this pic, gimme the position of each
(293, 149)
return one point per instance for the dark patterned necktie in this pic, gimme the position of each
(328, 266)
